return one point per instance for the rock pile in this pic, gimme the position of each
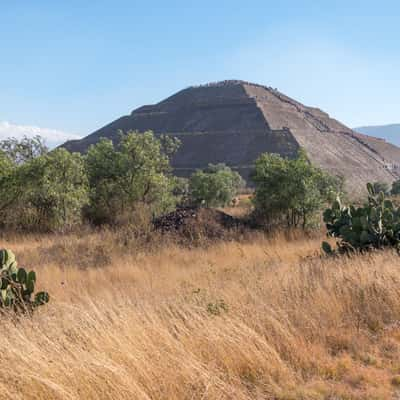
(198, 223)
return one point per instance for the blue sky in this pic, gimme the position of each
(67, 68)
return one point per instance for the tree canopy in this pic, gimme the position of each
(136, 170)
(291, 190)
(215, 186)
(45, 193)
(23, 150)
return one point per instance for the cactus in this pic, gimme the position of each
(376, 225)
(17, 286)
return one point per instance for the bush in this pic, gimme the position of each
(375, 225)
(291, 191)
(58, 190)
(181, 191)
(215, 186)
(8, 189)
(14, 153)
(50, 191)
(40, 190)
(5, 164)
(135, 171)
(46, 193)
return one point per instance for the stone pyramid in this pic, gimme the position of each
(233, 122)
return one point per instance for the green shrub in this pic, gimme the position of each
(291, 191)
(56, 190)
(8, 189)
(181, 190)
(375, 225)
(46, 193)
(17, 286)
(215, 186)
(136, 171)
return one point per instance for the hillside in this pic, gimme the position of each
(391, 133)
(234, 122)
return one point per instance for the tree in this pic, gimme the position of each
(5, 164)
(291, 190)
(215, 186)
(23, 150)
(7, 188)
(6, 168)
(58, 189)
(48, 192)
(181, 190)
(137, 170)
(13, 153)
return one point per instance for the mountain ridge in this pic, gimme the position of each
(389, 132)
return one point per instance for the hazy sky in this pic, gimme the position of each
(71, 66)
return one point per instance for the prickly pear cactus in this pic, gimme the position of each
(376, 225)
(17, 286)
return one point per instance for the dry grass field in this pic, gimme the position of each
(267, 318)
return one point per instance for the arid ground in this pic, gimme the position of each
(264, 318)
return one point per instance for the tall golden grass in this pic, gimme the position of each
(264, 319)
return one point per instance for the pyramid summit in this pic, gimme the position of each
(234, 121)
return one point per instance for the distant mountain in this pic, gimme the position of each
(233, 122)
(390, 133)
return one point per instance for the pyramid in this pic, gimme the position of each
(233, 122)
